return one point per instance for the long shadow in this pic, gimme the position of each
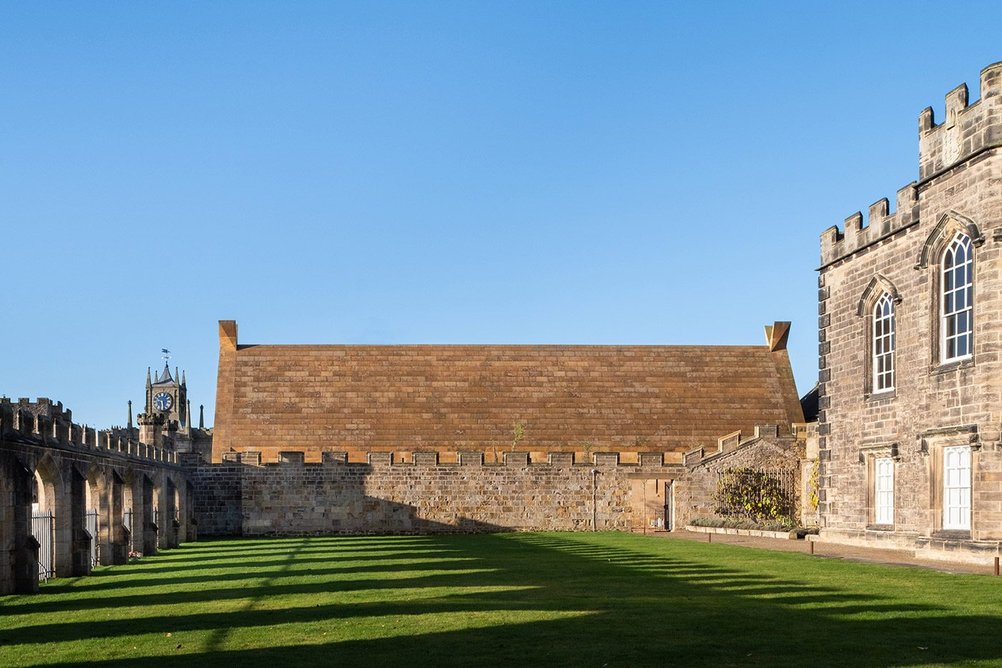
(273, 586)
(597, 599)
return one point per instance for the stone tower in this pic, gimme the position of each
(166, 419)
(909, 330)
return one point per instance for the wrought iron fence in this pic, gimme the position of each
(127, 524)
(758, 494)
(91, 519)
(158, 520)
(42, 528)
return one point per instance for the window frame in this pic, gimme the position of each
(883, 491)
(883, 345)
(949, 291)
(962, 483)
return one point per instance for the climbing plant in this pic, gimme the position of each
(756, 494)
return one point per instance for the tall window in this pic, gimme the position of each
(883, 469)
(957, 488)
(956, 322)
(883, 344)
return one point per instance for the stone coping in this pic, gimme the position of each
(760, 533)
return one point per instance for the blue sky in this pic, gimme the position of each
(451, 172)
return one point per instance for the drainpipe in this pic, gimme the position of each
(594, 499)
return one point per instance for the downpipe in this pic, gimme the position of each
(594, 499)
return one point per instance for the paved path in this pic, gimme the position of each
(832, 551)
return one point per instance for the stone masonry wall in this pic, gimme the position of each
(337, 497)
(933, 405)
(697, 493)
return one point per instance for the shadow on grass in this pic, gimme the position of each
(628, 600)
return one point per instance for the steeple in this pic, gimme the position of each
(164, 376)
(184, 382)
(149, 381)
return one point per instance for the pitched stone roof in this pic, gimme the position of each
(468, 397)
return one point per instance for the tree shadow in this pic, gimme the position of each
(601, 599)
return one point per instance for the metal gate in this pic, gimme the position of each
(92, 530)
(127, 524)
(42, 527)
(669, 519)
(159, 524)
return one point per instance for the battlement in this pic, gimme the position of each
(44, 422)
(967, 130)
(880, 223)
(465, 459)
(735, 440)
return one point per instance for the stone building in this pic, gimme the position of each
(293, 403)
(910, 330)
(72, 497)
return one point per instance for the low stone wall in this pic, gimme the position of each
(340, 498)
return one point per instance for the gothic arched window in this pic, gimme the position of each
(883, 344)
(957, 300)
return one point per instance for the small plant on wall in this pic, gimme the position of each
(517, 433)
(755, 494)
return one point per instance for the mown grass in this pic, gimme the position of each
(496, 600)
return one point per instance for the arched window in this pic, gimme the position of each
(883, 344)
(957, 300)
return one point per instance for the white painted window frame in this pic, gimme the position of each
(882, 354)
(957, 488)
(951, 317)
(883, 490)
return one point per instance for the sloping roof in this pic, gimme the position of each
(467, 397)
(164, 377)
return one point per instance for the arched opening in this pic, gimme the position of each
(128, 516)
(93, 489)
(43, 516)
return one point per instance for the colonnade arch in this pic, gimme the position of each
(61, 513)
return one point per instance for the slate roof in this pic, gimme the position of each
(467, 397)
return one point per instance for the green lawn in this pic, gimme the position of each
(602, 599)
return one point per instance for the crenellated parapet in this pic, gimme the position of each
(47, 423)
(880, 223)
(477, 459)
(967, 130)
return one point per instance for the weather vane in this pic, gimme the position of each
(165, 355)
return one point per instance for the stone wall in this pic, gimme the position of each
(933, 405)
(336, 497)
(698, 492)
(50, 465)
(424, 495)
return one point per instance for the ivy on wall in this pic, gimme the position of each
(756, 494)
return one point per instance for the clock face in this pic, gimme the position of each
(162, 401)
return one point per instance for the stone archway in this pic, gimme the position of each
(47, 486)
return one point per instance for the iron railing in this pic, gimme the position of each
(42, 528)
(91, 518)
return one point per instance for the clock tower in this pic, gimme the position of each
(167, 395)
(166, 420)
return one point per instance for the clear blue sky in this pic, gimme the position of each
(565, 172)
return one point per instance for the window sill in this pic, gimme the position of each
(952, 534)
(949, 367)
(885, 395)
(880, 527)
